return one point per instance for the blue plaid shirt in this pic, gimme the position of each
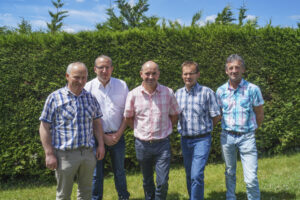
(198, 106)
(71, 118)
(237, 106)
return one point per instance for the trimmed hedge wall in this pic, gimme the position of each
(32, 66)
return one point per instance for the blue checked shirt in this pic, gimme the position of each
(237, 106)
(198, 106)
(71, 118)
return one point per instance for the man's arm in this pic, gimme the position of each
(174, 119)
(45, 136)
(216, 119)
(98, 132)
(129, 121)
(259, 112)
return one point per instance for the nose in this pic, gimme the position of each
(81, 80)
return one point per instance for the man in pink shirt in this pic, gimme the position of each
(152, 110)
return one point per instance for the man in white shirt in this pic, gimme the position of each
(111, 94)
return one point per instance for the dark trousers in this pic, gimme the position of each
(156, 155)
(117, 154)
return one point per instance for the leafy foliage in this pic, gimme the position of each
(242, 16)
(196, 17)
(33, 66)
(225, 17)
(56, 22)
(24, 27)
(131, 16)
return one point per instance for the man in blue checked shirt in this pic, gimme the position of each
(242, 113)
(200, 113)
(69, 122)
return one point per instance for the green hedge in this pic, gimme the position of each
(32, 66)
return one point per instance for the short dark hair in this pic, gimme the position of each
(190, 63)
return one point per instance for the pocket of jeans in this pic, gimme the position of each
(250, 135)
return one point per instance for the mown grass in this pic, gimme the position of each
(279, 179)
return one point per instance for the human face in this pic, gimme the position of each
(77, 79)
(235, 70)
(150, 74)
(190, 76)
(103, 69)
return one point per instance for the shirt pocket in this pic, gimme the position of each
(117, 101)
(68, 112)
(245, 103)
(198, 109)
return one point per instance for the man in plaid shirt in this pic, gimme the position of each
(200, 113)
(69, 122)
(242, 113)
(152, 110)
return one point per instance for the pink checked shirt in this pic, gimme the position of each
(151, 112)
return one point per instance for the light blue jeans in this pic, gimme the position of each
(246, 146)
(195, 155)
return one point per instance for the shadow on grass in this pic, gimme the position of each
(171, 196)
(25, 184)
(281, 195)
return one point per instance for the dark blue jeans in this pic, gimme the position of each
(154, 155)
(117, 154)
(195, 153)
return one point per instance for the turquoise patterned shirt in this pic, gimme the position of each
(237, 106)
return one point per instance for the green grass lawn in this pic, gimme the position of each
(279, 179)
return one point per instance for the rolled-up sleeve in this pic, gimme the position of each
(48, 110)
(174, 107)
(129, 106)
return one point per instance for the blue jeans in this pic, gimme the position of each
(154, 155)
(117, 154)
(195, 153)
(246, 146)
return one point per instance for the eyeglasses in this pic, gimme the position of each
(103, 67)
(192, 73)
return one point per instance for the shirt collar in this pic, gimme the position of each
(108, 85)
(157, 89)
(195, 87)
(67, 91)
(239, 86)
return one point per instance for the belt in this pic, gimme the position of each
(110, 132)
(235, 132)
(81, 148)
(152, 141)
(196, 136)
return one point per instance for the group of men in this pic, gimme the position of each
(83, 121)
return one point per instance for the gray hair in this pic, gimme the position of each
(235, 57)
(70, 66)
(104, 57)
(190, 63)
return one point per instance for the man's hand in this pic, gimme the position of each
(100, 152)
(51, 162)
(111, 139)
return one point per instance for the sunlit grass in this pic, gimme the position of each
(279, 179)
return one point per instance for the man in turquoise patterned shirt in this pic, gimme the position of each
(242, 113)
